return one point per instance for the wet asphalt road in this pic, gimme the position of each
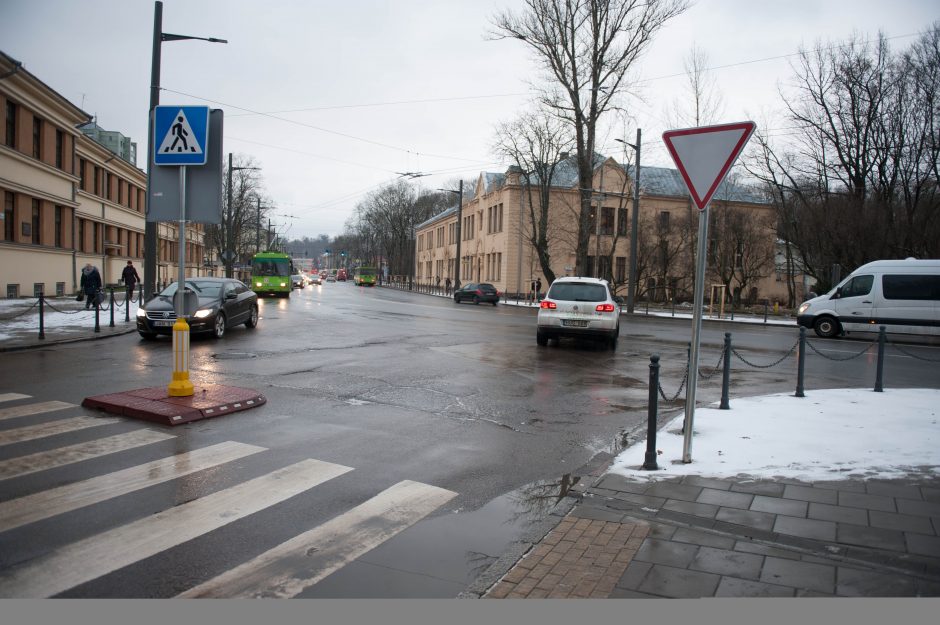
(396, 386)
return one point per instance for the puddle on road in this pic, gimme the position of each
(235, 356)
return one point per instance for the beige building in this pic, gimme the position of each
(496, 229)
(67, 199)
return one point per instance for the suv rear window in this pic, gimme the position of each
(578, 292)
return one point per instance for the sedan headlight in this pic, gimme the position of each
(203, 313)
(803, 308)
(141, 312)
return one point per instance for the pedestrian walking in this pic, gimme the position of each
(131, 278)
(90, 284)
(538, 289)
(447, 285)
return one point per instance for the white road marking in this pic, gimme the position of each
(45, 504)
(32, 432)
(109, 551)
(31, 409)
(12, 396)
(292, 566)
(61, 456)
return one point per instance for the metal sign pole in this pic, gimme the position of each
(696, 335)
(180, 386)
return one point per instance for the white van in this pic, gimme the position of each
(902, 295)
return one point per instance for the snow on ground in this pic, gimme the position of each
(74, 315)
(827, 435)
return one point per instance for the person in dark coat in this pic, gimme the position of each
(538, 289)
(131, 278)
(90, 283)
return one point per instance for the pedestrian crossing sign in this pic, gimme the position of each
(180, 135)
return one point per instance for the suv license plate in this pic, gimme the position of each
(574, 323)
(161, 323)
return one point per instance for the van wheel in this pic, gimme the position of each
(827, 327)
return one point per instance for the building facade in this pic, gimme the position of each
(69, 200)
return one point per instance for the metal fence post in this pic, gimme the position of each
(726, 374)
(42, 327)
(97, 313)
(673, 305)
(129, 295)
(765, 311)
(801, 363)
(879, 376)
(649, 463)
(111, 304)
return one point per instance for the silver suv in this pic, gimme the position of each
(579, 307)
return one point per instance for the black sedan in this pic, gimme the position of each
(477, 292)
(219, 304)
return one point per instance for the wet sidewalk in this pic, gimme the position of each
(690, 537)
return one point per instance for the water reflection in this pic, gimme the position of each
(534, 501)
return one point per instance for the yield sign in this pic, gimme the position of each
(704, 155)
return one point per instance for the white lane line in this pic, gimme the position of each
(31, 409)
(61, 456)
(306, 559)
(109, 551)
(12, 396)
(32, 432)
(49, 503)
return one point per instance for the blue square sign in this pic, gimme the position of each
(180, 135)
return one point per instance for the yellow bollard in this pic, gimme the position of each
(180, 386)
(776, 308)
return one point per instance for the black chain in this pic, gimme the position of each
(907, 353)
(65, 312)
(834, 358)
(662, 393)
(708, 376)
(773, 364)
(21, 313)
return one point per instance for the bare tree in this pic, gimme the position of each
(587, 48)
(702, 104)
(741, 252)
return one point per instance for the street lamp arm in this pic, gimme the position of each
(172, 37)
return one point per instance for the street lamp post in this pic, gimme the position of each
(150, 227)
(631, 291)
(459, 193)
(229, 255)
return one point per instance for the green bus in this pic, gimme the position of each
(364, 276)
(270, 274)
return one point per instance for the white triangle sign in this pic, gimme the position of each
(179, 138)
(704, 155)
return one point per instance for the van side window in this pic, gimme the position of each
(859, 285)
(911, 287)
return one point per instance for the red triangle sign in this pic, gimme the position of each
(704, 155)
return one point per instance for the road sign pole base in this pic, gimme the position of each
(180, 386)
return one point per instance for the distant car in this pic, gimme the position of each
(341, 275)
(315, 279)
(331, 278)
(579, 307)
(222, 303)
(297, 281)
(477, 292)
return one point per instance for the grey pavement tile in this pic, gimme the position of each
(901, 522)
(930, 493)
(661, 530)
(687, 519)
(841, 514)
(807, 528)
(927, 588)
(688, 507)
(634, 575)
(674, 491)
(805, 575)
(615, 482)
(864, 500)
(733, 587)
(624, 500)
(858, 583)
(873, 537)
(808, 493)
(936, 525)
(697, 537)
(758, 520)
(775, 505)
(743, 531)
(894, 488)
(765, 550)
(621, 593)
(725, 498)
(803, 593)
(771, 489)
(599, 514)
(707, 482)
(923, 545)
(727, 562)
(846, 485)
(666, 552)
(921, 508)
(679, 583)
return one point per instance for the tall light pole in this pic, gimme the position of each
(229, 254)
(459, 193)
(150, 227)
(631, 291)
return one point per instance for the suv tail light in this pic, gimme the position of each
(605, 308)
(548, 304)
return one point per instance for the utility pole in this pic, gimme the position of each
(258, 229)
(634, 222)
(459, 193)
(228, 255)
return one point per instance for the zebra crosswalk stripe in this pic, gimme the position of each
(12, 396)
(49, 503)
(111, 550)
(61, 456)
(33, 432)
(31, 409)
(292, 566)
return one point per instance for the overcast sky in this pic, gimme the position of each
(333, 99)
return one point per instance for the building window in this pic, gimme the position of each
(107, 185)
(97, 190)
(607, 220)
(603, 267)
(120, 186)
(96, 237)
(621, 275)
(592, 220)
(13, 291)
(82, 163)
(58, 226)
(59, 147)
(622, 221)
(11, 125)
(37, 221)
(9, 229)
(664, 220)
(37, 138)
(59, 289)
(81, 235)
(589, 269)
(499, 221)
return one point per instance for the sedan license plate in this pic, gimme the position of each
(574, 323)
(164, 323)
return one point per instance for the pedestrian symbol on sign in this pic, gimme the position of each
(180, 138)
